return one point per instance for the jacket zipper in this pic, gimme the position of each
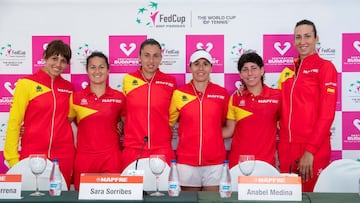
(52, 118)
(296, 75)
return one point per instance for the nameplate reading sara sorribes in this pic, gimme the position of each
(98, 186)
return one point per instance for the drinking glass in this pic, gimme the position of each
(157, 165)
(246, 164)
(37, 164)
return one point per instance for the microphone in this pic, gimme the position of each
(146, 138)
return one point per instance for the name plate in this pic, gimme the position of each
(95, 186)
(274, 188)
(10, 186)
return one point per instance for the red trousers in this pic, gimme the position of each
(109, 162)
(290, 154)
(131, 154)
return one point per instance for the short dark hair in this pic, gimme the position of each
(251, 57)
(307, 22)
(149, 41)
(97, 54)
(58, 47)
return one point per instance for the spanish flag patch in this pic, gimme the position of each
(330, 90)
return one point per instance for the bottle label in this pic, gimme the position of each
(174, 189)
(55, 188)
(225, 190)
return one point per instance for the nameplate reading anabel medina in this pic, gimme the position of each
(110, 186)
(275, 188)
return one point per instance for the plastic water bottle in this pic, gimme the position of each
(55, 179)
(225, 181)
(174, 185)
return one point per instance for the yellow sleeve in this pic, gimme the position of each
(178, 101)
(230, 113)
(72, 113)
(130, 83)
(173, 111)
(16, 117)
(284, 75)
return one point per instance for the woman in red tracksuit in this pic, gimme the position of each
(98, 109)
(253, 115)
(201, 108)
(148, 93)
(41, 105)
(309, 91)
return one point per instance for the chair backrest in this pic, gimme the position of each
(261, 168)
(28, 182)
(149, 177)
(339, 176)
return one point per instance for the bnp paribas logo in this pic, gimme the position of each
(147, 15)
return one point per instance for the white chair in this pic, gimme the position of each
(262, 168)
(28, 182)
(340, 176)
(149, 177)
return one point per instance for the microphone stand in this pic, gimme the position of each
(146, 138)
(141, 150)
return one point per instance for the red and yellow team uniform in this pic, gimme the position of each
(256, 124)
(41, 105)
(98, 142)
(309, 92)
(147, 115)
(201, 117)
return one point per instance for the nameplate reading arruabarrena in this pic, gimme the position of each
(274, 188)
(110, 186)
(10, 186)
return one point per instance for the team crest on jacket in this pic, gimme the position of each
(135, 83)
(184, 98)
(242, 102)
(83, 101)
(38, 88)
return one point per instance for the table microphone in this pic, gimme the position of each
(146, 138)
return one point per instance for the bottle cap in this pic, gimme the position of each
(226, 161)
(55, 160)
(173, 160)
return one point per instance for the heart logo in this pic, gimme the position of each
(277, 46)
(45, 46)
(208, 48)
(84, 84)
(238, 84)
(8, 87)
(127, 52)
(356, 45)
(356, 123)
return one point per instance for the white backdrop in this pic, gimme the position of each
(225, 27)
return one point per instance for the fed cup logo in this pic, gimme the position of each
(146, 15)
